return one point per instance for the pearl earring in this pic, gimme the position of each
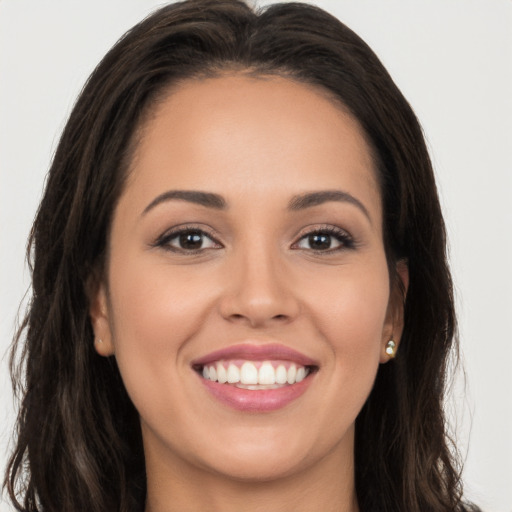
(391, 349)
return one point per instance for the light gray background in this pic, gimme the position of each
(452, 60)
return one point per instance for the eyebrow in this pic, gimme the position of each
(207, 199)
(311, 199)
(299, 202)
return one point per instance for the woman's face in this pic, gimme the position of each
(248, 299)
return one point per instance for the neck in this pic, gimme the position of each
(322, 486)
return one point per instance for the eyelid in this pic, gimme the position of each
(347, 241)
(164, 239)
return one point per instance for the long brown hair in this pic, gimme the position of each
(79, 444)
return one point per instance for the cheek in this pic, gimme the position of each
(152, 301)
(350, 311)
(153, 314)
(351, 308)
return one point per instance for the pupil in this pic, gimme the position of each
(191, 240)
(319, 241)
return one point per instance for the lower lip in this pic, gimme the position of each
(258, 400)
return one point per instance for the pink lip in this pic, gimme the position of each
(261, 400)
(256, 353)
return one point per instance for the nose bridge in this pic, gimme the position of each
(258, 291)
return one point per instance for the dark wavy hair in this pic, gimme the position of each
(79, 444)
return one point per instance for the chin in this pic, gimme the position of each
(270, 454)
(264, 466)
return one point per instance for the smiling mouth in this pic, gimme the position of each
(255, 375)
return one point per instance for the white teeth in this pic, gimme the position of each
(266, 374)
(248, 373)
(292, 372)
(248, 376)
(233, 374)
(255, 387)
(281, 375)
(301, 373)
(222, 375)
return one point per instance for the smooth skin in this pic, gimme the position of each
(268, 269)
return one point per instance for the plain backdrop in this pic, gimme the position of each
(453, 61)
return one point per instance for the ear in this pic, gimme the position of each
(99, 313)
(394, 323)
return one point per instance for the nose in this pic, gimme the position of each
(258, 291)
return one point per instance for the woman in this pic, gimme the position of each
(239, 233)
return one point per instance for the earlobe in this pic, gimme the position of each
(395, 315)
(102, 348)
(390, 349)
(99, 314)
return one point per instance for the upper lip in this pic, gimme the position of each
(254, 352)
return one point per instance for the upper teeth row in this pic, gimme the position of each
(248, 373)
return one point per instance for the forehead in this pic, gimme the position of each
(243, 135)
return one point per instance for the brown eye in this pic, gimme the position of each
(190, 240)
(187, 240)
(319, 241)
(325, 240)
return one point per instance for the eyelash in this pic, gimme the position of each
(341, 236)
(164, 241)
(345, 240)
